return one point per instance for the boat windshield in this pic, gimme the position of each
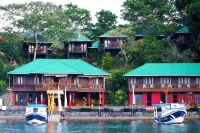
(35, 110)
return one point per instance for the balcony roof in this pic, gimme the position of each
(59, 66)
(95, 45)
(113, 33)
(79, 38)
(183, 30)
(166, 69)
(41, 39)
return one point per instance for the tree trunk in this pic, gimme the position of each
(36, 45)
(124, 53)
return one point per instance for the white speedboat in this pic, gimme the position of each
(172, 113)
(36, 114)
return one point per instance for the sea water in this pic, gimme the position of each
(101, 126)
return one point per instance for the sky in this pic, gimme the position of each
(92, 5)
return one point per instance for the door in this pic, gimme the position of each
(175, 97)
(149, 99)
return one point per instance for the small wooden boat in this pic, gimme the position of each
(36, 114)
(172, 113)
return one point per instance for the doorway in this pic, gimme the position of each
(149, 98)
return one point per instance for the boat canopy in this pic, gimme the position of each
(36, 105)
(159, 105)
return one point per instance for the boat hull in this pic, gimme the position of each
(175, 117)
(36, 119)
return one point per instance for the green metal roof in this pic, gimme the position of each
(80, 38)
(183, 30)
(59, 66)
(166, 69)
(113, 33)
(95, 45)
(41, 38)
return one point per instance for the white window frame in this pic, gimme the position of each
(20, 80)
(133, 80)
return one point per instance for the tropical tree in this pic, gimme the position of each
(33, 16)
(39, 17)
(12, 44)
(153, 16)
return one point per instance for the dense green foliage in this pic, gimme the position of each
(106, 20)
(152, 16)
(107, 61)
(116, 92)
(3, 87)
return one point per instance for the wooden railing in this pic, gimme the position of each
(39, 50)
(164, 86)
(50, 86)
(111, 45)
(77, 49)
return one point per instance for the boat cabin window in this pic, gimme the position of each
(35, 110)
(28, 111)
(167, 106)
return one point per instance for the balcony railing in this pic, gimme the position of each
(39, 50)
(77, 49)
(164, 86)
(111, 45)
(50, 86)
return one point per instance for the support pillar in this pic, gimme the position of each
(186, 98)
(70, 99)
(13, 98)
(130, 98)
(41, 97)
(102, 98)
(27, 97)
(179, 97)
(144, 98)
(88, 99)
(171, 97)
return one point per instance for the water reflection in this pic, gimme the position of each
(137, 126)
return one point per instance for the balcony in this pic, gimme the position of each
(39, 51)
(111, 45)
(51, 86)
(162, 87)
(77, 49)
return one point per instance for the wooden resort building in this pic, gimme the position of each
(77, 47)
(43, 47)
(182, 38)
(37, 80)
(152, 81)
(110, 41)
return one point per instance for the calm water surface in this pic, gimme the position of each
(138, 126)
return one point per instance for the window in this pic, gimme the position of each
(76, 81)
(48, 79)
(95, 81)
(148, 80)
(183, 80)
(36, 80)
(64, 80)
(196, 98)
(21, 98)
(138, 99)
(133, 80)
(20, 80)
(197, 80)
(70, 47)
(35, 110)
(165, 80)
(85, 47)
